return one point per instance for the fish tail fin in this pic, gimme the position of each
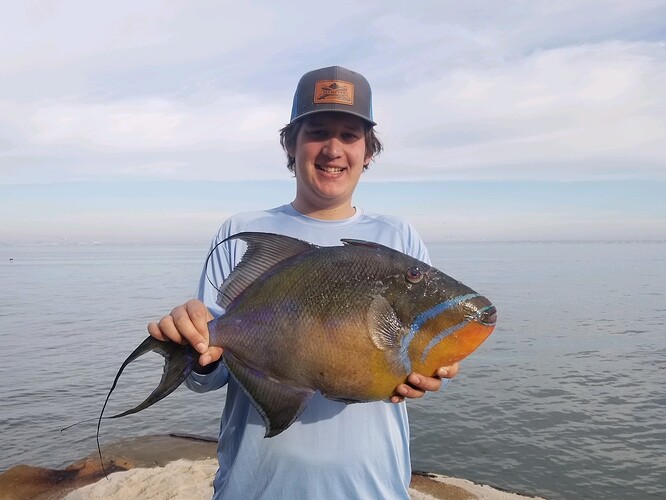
(179, 361)
(178, 364)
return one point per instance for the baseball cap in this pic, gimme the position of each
(333, 89)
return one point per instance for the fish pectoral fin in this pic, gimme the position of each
(385, 327)
(278, 403)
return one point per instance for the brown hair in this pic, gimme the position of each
(289, 133)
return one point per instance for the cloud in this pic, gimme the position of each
(155, 124)
(178, 90)
(566, 113)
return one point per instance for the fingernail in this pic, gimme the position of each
(415, 379)
(442, 372)
(403, 390)
(201, 347)
(205, 360)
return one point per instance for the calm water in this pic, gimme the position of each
(565, 400)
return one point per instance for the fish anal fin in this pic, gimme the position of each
(264, 251)
(278, 403)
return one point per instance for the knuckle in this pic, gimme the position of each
(165, 322)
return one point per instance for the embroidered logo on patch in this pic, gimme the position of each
(334, 91)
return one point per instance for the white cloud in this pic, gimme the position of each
(563, 90)
(566, 113)
(150, 124)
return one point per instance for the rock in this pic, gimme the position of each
(178, 467)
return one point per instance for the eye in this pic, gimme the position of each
(414, 274)
(316, 133)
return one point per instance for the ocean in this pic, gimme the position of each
(565, 400)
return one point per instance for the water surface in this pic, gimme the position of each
(564, 400)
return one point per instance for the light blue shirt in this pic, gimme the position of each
(333, 450)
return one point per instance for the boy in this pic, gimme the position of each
(333, 450)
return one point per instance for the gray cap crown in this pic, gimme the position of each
(333, 89)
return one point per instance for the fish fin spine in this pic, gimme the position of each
(264, 251)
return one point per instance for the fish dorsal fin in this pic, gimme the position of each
(363, 243)
(386, 329)
(278, 403)
(264, 250)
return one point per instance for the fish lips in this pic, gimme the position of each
(480, 310)
(487, 315)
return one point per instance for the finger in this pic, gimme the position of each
(407, 391)
(211, 355)
(155, 331)
(187, 330)
(423, 383)
(166, 329)
(199, 316)
(449, 371)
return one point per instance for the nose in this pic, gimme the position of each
(488, 315)
(332, 148)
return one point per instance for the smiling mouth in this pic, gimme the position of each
(330, 170)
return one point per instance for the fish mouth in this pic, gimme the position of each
(487, 315)
(481, 310)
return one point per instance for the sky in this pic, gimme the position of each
(153, 121)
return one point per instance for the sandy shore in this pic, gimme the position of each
(178, 467)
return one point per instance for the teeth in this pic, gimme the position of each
(331, 170)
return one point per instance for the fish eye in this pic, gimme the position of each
(414, 274)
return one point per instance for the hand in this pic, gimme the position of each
(188, 324)
(417, 385)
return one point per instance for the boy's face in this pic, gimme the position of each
(329, 159)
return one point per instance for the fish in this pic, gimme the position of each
(350, 321)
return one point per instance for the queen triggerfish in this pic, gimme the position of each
(350, 321)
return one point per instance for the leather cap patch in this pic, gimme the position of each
(334, 91)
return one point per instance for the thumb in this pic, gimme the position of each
(212, 354)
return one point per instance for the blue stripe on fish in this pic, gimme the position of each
(420, 321)
(439, 337)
